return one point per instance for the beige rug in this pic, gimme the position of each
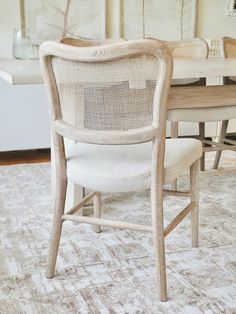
(112, 272)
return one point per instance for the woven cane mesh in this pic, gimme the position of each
(112, 95)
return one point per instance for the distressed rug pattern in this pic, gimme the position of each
(112, 272)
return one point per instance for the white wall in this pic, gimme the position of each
(212, 20)
(24, 118)
(9, 20)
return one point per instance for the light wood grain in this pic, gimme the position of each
(201, 97)
(78, 206)
(97, 209)
(22, 15)
(228, 48)
(28, 71)
(174, 223)
(212, 67)
(107, 223)
(194, 190)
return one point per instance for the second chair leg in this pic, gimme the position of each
(59, 205)
(174, 134)
(223, 131)
(194, 190)
(202, 137)
(97, 209)
(159, 239)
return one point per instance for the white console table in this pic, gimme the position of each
(27, 72)
(24, 119)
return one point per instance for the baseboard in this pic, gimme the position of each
(25, 156)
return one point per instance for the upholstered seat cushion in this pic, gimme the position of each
(120, 168)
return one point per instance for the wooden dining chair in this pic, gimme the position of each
(228, 49)
(111, 100)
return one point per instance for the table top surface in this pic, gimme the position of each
(28, 71)
(17, 72)
(211, 67)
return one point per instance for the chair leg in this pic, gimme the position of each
(97, 209)
(159, 243)
(174, 134)
(221, 141)
(202, 137)
(59, 205)
(194, 190)
(174, 129)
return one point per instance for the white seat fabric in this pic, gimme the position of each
(122, 168)
(202, 114)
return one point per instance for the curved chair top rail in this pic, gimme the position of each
(229, 47)
(107, 52)
(79, 42)
(195, 48)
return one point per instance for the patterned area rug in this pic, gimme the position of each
(112, 272)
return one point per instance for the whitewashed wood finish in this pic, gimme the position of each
(81, 203)
(89, 42)
(201, 97)
(28, 71)
(223, 132)
(97, 209)
(228, 46)
(194, 190)
(202, 139)
(212, 67)
(179, 218)
(191, 49)
(60, 129)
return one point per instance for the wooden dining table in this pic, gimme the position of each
(18, 72)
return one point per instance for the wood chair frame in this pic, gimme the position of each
(155, 133)
(228, 48)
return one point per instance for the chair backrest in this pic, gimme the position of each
(195, 48)
(113, 94)
(228, 50)
(229, 47)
